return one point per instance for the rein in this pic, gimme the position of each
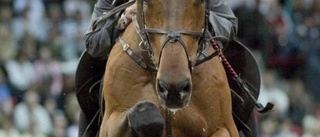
(241, 83)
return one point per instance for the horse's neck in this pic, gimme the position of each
(131, 37)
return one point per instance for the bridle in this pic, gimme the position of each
(172, 36)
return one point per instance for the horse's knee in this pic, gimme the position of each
(145, 120)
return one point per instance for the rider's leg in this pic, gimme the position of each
(89, 71)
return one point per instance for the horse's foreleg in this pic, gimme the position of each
(145, 120)
(114, 126)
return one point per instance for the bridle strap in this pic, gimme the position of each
(126, 48)
(185, 32)
(146, 49)
(173, 37)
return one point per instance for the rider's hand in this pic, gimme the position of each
(130, 11)
(127, 16)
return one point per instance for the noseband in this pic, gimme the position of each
(175, 36)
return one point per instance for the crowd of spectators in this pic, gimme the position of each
(41, 41)
(284, 36)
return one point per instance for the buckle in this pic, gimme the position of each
(125, 47)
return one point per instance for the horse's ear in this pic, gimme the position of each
(116, 3)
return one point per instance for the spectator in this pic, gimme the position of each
(8, 43)
(30, 18)
(5, 93)
(284, 55)
(60, 124)
(72, 113)
(286, 129)
(29, 46)
(268, 127)
(54, 40)
(71, 31)
(30, 117)
(73, 129)
(48, 76)
(72, 7)
(311, 125)
(50, 104)
(7, 129)
(74, 26)
(313, 71)
(270, 92)
(72, 106)
(32, 131)
(300, 102)
(20, 72)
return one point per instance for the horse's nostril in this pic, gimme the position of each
(174, 93)
(162, 88)
(185, 86)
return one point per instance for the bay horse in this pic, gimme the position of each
(155, 85)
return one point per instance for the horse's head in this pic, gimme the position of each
(173, 29)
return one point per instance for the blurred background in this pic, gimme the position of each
(41, 41)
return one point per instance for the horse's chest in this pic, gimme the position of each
(189, 125)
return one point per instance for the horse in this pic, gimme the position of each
(155, 83)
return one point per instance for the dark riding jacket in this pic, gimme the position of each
(99, 40)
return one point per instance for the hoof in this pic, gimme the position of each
(145, 120)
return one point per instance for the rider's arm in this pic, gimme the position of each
(222, 19)
(99, 40)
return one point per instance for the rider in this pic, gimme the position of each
(100, 38)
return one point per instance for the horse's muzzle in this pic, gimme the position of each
(174, 94)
